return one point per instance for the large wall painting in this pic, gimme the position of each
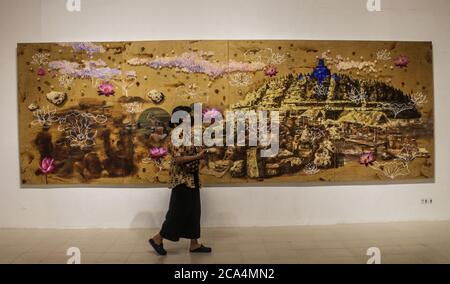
(98, 113)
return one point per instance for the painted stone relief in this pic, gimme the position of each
(350, 111)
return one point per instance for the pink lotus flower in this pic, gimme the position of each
(211, 114)
(271, 71)
(401, 61)
(106, 89)
(41, 71)
(367, 158)
(157, 153)
(47, 165)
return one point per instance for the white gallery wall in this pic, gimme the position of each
(117, 20)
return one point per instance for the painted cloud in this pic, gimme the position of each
(89, 69)
(191, 62)
(87, 47)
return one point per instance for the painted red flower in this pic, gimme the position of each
(157, 153)
(106, 89)
(211, 114)
(401, 61)
(41, 71)
(47, 165)
(367, 158)
(271, 71)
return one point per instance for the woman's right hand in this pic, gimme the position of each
(201, 155)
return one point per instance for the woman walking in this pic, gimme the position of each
(183, 217)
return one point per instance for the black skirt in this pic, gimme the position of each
(183, 216)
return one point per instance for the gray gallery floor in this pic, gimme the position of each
(408, 242)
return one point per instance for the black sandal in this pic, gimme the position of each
(158, 248)
(202, 249)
